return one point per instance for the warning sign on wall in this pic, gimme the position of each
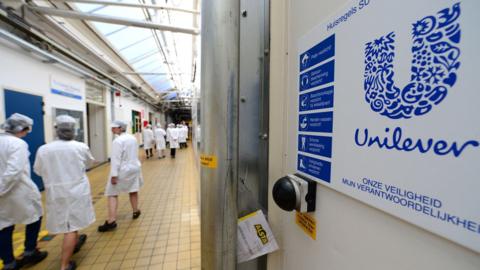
(388, 112)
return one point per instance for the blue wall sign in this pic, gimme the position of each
(315, 100)
(315, 167)
(316, 122)
(318, 53)
(317, 145)
(320, 75)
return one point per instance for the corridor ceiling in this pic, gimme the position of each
(164, 59)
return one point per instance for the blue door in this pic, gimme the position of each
(31, 106)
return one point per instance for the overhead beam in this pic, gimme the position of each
(113, 20)
(132, 5)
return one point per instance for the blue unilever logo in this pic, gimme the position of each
(434, 67)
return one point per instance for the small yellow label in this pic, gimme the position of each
(208, 161)
(261, 233)
(307, 223)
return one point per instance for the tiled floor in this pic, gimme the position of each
(167, 234)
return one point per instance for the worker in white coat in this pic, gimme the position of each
(20, 200)
(62, 164)
(159, 134)
(125, 174)
(182, 137)
(173, 134)
(148, 141)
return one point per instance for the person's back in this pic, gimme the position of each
(129, 146)
(64, 156)
(159, 133)
(16, 184)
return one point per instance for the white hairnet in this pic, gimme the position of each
(159, 126)
(64, 119)
(65, 127)
(119, 124)
(16, 123)
(149, 126)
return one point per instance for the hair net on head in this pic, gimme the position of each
(119, 124)
(17, 123)
(65, 127)
(149, 126)
(159, 126)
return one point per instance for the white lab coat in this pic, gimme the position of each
(148, 138)
(63, 165)
(20, 200)
(173, 135)
(160, 138)
(185, 128)
(124, 165)
(182, 135)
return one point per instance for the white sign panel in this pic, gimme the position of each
(388, 110)
(65, 89)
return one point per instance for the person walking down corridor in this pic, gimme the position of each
(20, 200)
(148, 141)
(125, 174)
(182, 136)
(62, 164)
(160, 140)
(172, 137)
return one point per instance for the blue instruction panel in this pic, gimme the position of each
(320, 75)
(314, 167)
(319, 99)
(316, 122)
(317, 145)
(318, 53)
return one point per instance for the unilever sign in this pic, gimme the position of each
(387, 110)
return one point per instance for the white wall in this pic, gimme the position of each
(22, 72)
(350, 234)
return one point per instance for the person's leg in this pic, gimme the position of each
(151, 152)
(6, 244)
(69, 242)
(134, 201)
(112, 208)
(172, 153)
(31, 236)
(146, 152)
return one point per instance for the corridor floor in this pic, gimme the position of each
(167, 234)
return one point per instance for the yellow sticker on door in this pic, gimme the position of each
(307, 223)
(208, 161)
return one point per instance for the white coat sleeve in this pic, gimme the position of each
(38, 164)
(88, 157)
(115, 159)
(15, 166)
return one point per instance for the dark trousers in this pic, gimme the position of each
(6, 242)
(172, 152)
(149, 152)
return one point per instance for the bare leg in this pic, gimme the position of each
(134, 201)
(112, 208)
(69, 241)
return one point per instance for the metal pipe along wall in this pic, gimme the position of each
(219, 110)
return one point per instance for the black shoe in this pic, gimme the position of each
(81, 240)
(15, 267)
(34, 258)
(71, 266)
(136, 214)
(107, 226)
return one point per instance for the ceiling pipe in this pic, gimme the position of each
(133, 5)
(113, 20)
